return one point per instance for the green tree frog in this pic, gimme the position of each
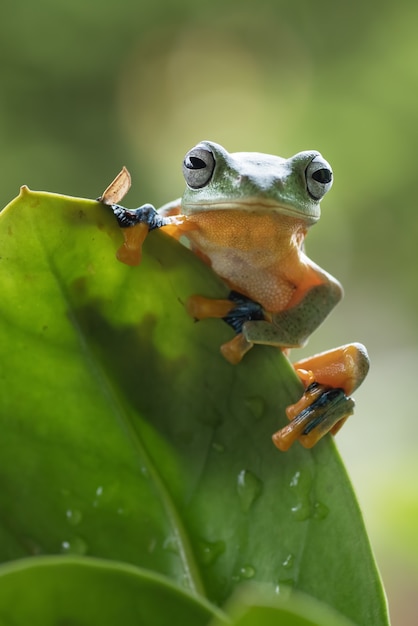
(246, 215)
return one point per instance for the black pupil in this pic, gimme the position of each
(323, 176)
(194, 163)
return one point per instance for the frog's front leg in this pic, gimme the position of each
(136, 224)
(330, 378)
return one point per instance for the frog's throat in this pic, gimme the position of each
(253, 205)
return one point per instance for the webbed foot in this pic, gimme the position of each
(329, 378)
(235, 311)
(135, 225)
(321, 410)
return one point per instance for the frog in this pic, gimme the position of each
(246, 215)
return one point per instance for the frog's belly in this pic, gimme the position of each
(252, 252)
(262, 284)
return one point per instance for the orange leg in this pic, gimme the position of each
(329, 378)
(200, 308)
(130, 251)
(134, 236)
(235, 349)
(136, 224)
(344, 367)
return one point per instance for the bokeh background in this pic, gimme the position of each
(87, 86)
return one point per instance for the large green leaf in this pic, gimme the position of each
(47, 591)
(125, 435)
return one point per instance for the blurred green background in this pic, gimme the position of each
(88, 86)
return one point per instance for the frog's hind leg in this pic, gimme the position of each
(202, 308)
(329, 378)
(235, 311)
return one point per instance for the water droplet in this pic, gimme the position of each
(74, 516)
(288, 562)
(249, 488)
(301, 486)
(301, 481)
(256, 406)
(301, 511)
(320, 510)
(218, 447)
(98, 493)
(209, 551)
(75, 545)
(245, 572)
(171, 545)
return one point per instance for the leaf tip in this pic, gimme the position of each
(24, 190)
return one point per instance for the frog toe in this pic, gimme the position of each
(320, 410)
(201, 308)
(235, 349)
(130, 252)
(135, 225)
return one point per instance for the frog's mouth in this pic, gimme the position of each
(307, 213)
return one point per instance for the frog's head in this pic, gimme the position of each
(250, 181)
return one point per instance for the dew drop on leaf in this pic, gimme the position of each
(288, 561)
(75, 545)
(301, 486)
(246, 572)
(301, 511)
(74, 516)
(171, 545)
(320, 510)
(209, 551)
(301, 482)
(98, 494)
(248, 488)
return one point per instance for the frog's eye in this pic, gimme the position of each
(198, 167)
(318, 177)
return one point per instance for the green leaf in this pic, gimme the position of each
(79, 591)
(255, 606)
(126, 436)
